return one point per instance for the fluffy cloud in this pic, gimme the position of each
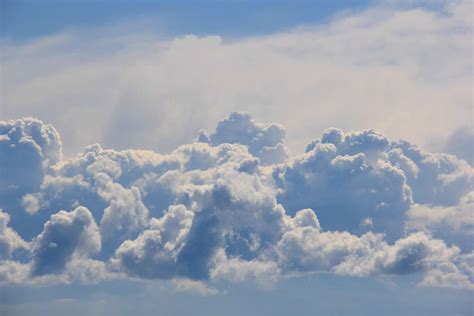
(309, 250)
(264, 141)
(262, 272)
(28, 147)
(460, 143)
(9, 239)
(455, 224)
(363, 177)
(438, 179)
(155, 252)
(345, 178)
(216, 210)
(65, 235)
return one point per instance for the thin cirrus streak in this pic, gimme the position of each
(233, 206)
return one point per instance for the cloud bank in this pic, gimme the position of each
(232, 207)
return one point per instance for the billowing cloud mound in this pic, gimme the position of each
(9, 239)
(264, 141)
(363, 177)
(346, 179)
(65, 235)
(232, 207)
(27, 147)
(461, 144)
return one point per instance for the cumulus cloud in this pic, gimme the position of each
(155, 252)
(363, 177)
(65, 235)
(439, 179)
(13, 272)
(346, 179)
(9, 239)
(28, 149)
(194, 287)
(264, 273)
(309, 250)
(216, 210)
(126, 212)
(264, 141)
(461, 144)
(455, 224)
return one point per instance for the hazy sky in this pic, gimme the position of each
(236, 157)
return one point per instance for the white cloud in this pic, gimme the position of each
(154, 253)
(193, 287)
(9, 239)
(455, 224)
(30, 141)
(460, 143)
(308, 250)
(263, 141)
(214, 213)
(345, 179)
(65, 235)
(263, 273)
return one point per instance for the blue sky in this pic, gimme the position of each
(28, 19)
(236, 157)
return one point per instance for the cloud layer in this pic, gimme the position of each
(232, 207)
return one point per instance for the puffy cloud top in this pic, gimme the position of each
(233, 207)
(27, 147)
(265, 141)
(9, 239)
(65, 235)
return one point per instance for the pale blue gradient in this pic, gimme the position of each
(26, 19)
(314, 295)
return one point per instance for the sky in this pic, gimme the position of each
(174, 18)
(236, 157)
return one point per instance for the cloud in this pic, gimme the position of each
(264, 141)
(363, 177)
(9, 239)
(346, 179)
(27, 140)
(194, 287)
(261, 272)
(155, 252)
(13, 272)
(28, 148)
(210, 213)
(460, 143)
(309, 250)
(455, 224)
(438, 179)
(126, 212)
(65, 235)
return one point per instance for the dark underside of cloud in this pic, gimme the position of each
(234, 207)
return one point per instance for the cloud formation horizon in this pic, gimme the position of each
(233, 206)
